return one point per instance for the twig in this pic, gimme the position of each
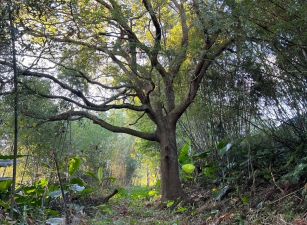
(276, 185)
(61, 186)
(137, 120)
(24, 170)
(271, 203)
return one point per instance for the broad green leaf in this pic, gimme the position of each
(74, 165)
(100, 174)
(170, 204)
(91, 174)
(201, 155)
(152, 193)
(30, 190)
(222, 144)
(225, 149)
(184, 156)
(77, 181)
(188, 168)
(5, 185)
(181, 209)
(42, 183)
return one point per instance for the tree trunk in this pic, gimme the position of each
(170, 181)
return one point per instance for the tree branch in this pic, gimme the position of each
(156, 24)
(100, 108)
(104, 124)
(200, 71)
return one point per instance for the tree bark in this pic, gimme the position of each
(170, 182)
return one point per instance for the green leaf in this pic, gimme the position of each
(181, 209)
(5, 185)
(295, 175)
(51, 212)
(30, 190)
(201, 155)
(74, 165)
(4, 204)
(152, 193)
(210, 172)
(77, 181)
(184, 156)
(42, 183)
(100, 174)
(188, 168)
(170, 204)
(245, 200)
(222, 144)
(225, 149)
(91, 174)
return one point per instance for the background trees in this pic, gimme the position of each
(145, 71)
(91, 59)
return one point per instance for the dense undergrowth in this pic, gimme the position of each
(254, 180)
(209, 92)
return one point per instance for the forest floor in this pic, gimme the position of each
(134, 206)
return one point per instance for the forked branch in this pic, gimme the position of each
(95, 119)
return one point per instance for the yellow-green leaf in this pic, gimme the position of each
(188, 168)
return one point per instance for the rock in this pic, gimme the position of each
(55, 221)
(224, 192)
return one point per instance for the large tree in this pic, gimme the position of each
(123, 55)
